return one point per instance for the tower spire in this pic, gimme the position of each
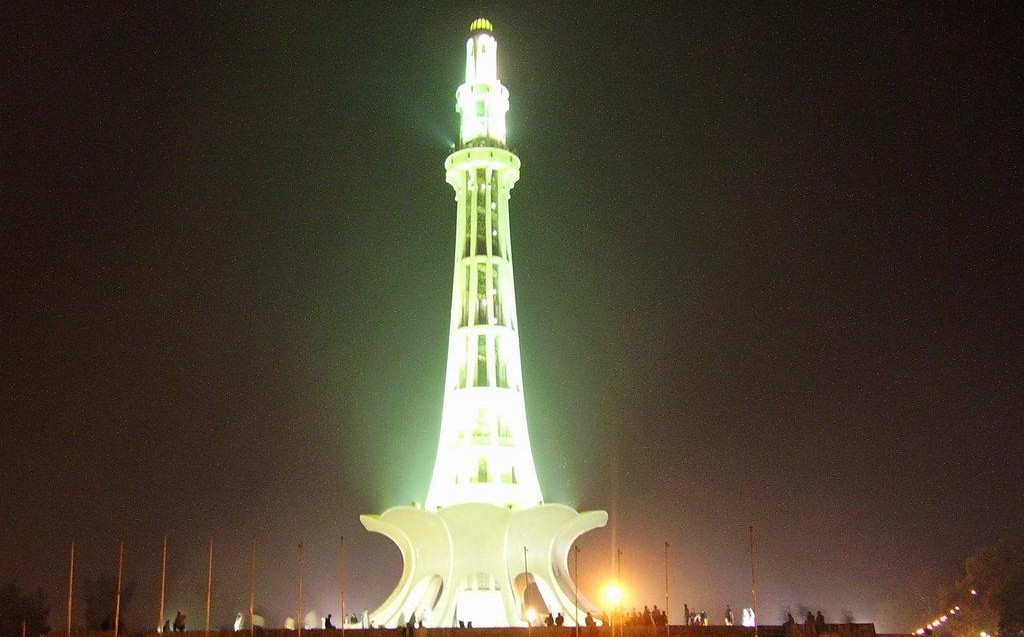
(484, 449)
(482, 101)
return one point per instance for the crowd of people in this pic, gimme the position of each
(648, 617)
(701, 618)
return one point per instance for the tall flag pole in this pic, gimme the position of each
(298, 605)
(526, 589)
(665, 610)
(342, 580)
(117, 604)
(71, 584)
(163, 588)
(252, 589)
(753, 580)
(209, 587)
(618, 576)
(576, 590)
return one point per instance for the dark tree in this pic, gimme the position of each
(990, 593)
(1010, 602)
(16, 606)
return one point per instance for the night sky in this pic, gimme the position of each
(768, 268)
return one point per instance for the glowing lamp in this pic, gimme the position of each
(613, 594)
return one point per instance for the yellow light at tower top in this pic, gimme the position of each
(481, 24)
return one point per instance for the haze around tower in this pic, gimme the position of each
(770, 255)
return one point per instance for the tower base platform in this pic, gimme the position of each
(482, 565)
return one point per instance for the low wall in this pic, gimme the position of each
(793, 630)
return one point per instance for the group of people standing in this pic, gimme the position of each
(648, 617)
(179, 624)
(700, 617)
(816, 620)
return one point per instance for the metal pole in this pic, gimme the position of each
(526, 588)
(163, 588)
(117, 604)
(753, 580)
(298, 611)
(342, 580)
(71, 584)
(576, 590)
(618, 576)
(209, 587)
(665, 611)
(252, 589)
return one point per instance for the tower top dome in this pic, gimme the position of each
(481, 24)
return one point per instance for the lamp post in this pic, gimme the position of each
(613, 594)
(618, 577)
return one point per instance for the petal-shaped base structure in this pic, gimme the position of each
(467, 563)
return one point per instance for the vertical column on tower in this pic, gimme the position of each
(484, 450)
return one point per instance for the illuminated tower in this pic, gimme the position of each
(485, 538)
(484, 450)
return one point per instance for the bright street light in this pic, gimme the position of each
(613, 594)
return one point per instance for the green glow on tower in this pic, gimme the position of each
(482, 101)
(484, 449)
(485, 532)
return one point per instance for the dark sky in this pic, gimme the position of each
(768, 269)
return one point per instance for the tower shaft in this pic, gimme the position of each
(484, 448)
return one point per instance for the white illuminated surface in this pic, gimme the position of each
(748, 617)
(482, 101)
(483, 452)
(463, 553)
(466, 562)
